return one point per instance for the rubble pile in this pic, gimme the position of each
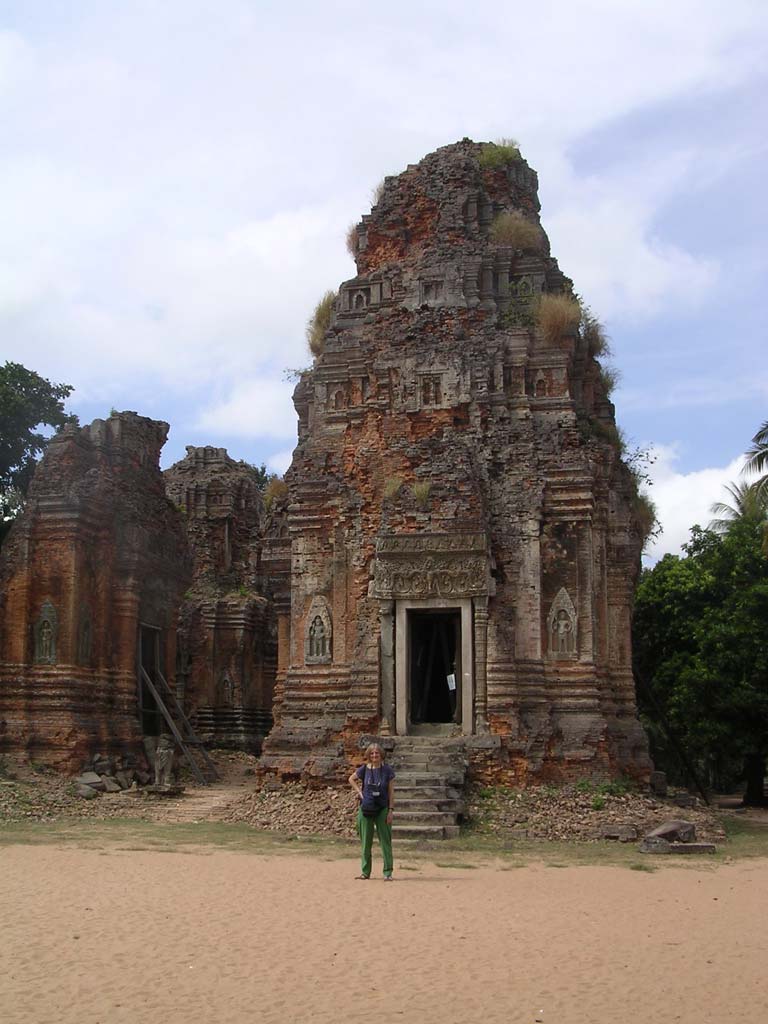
(292, 807)
(581, 812)
(109, 775)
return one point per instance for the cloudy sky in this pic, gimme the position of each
(177, 179)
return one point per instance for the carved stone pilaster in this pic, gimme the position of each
(387, 616)
(481, 652)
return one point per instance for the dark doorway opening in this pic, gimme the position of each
(434, 668)
(149, 662)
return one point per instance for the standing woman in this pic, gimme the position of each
(374, 783)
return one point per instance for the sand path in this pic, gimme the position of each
(111, 936)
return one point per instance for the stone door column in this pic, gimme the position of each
(387, 617)
(481, 654)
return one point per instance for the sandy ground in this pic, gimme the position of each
(116, 935)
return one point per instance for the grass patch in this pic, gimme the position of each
(498, 154)
(609, 377)
(556, 315)
(642, 867)
(514, 229)
(420, 492)
(351, 240)
(319, 322)
(392, 487)
(463, 865)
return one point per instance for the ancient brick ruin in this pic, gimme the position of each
(114, 571)
(92, 579)
(463, 539)
(227, 636)
(454, 562)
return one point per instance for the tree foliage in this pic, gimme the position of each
(701, 656)
(27, 403)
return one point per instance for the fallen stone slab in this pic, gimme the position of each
(90, 779)
(674, 831)
(86, 792)
(111, 785)
(124, 779)
(692, 848)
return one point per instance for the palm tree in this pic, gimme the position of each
(750, 502)
(757, 458)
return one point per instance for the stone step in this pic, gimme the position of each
(425, 831)
(423, 778)
(427, 762)
(431, 817)
(435, 803)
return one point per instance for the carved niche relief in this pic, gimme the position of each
(318, 634)
(45, 635)
(562, 627)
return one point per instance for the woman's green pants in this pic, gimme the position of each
(365, 827)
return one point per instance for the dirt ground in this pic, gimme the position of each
(110, 931)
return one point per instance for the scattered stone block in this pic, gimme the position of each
(111, 785)
(124, 779)
(684, 800)
(86, 792)
(658, 783)
(675, 832)
(90, 779)
(654, 844)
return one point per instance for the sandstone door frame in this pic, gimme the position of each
(401, 681)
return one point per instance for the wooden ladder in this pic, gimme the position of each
(204, 770)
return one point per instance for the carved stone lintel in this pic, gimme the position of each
(431, 565)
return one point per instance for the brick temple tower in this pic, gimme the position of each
(461, 539)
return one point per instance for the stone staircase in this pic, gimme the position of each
(429, 784)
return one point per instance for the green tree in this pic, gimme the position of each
(27, 403)
(701, 656)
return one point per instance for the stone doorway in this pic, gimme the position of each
(429, 635)
(434, 657)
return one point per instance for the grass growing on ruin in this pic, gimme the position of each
(514, 229)
(351, 240)
(319, 322)
(609, 378)
(556, 315)
(392, 487)
(421, 492)
(501, 153)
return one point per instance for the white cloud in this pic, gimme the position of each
(684, 499)
(280, 461)
(177, 178)
(255, 408)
